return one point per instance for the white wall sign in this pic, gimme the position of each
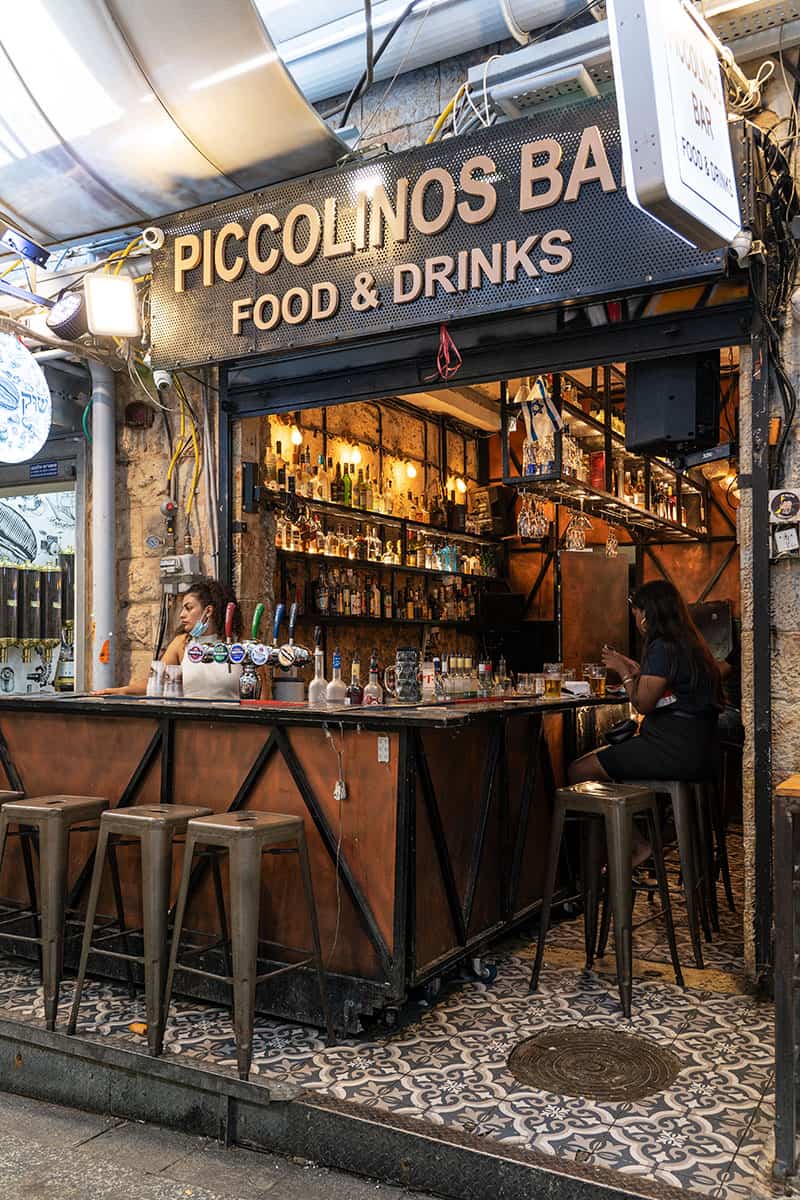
(25, 406)
(673, 120)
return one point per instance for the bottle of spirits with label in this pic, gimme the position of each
(337, 486)
(355, 692)
(360, 491)
(318, 687)
(321, 481)
(373, 692)
(336, 690)
(347, 487)
(270, 469)
(280, 465)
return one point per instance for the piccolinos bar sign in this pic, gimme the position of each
(519, 215)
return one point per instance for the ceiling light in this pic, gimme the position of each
(67, 318)
(25, 406)
(112, 308)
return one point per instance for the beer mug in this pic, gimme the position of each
(406, 676)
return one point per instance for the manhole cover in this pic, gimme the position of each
(597, 1064)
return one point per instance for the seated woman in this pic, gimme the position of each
(201, 619)
(677, 688)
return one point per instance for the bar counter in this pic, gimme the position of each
(437, 850)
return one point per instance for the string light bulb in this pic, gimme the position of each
(297, 437)
(461, 485)
(411, 470)
(355, 456)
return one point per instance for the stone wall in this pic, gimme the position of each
(142, 462)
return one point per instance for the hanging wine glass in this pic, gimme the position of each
(612, 542)
(541, 521)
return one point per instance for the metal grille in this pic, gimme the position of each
(615, 247)
(599, 1064)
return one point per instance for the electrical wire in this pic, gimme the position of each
(400, 66)
(359, 86)
(84, 420)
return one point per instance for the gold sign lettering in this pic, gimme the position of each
(436, 175)
(531, 173)
(229, 273)
(188, 252)
(584, 171)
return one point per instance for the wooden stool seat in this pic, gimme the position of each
(53, 818)
(246, 836)
(609, 806)
(154, 826)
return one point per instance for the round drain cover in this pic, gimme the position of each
(598, 1064)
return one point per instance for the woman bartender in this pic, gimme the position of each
(201, 619)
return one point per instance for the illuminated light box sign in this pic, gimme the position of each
(521, 215)
(674, 120)
(25, 405)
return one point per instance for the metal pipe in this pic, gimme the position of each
(65, 363)
(104, 565)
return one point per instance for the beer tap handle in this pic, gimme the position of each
(258, 616)
(292, 622)
(230, 613)
(280, 609)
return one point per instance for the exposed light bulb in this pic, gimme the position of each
(461, 485)
(355, 455)
(411, 470)
(297, 437)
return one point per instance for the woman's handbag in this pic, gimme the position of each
(621, 731)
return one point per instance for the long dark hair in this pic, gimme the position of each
(214, 594)
(667, 617)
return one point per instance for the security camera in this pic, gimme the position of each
(162, 380)
(742, 245)
(153, 237)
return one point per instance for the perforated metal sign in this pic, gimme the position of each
(520, 215)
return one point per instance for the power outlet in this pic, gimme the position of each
(383, 748)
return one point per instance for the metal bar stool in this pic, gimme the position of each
(13, 912)
(692, 837)
(246, 836)
(611, 806)
(53, 818)
(153, 827)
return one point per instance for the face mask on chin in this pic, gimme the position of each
(199, 628)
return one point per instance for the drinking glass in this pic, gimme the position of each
(553, 673)
(537, 685)
(597, 680)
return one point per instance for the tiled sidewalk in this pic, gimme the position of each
(708, 1133)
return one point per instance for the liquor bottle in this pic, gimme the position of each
(318, 687)
(369, 494)
(336, 690)
(373, 692)
(347, 487)
(270, 470)
(388, 607)
(437, 513)
(280, 465)
(360, 497)
(388, 498)
(638, 491)
(322, 489)
(337, 492)
(375, 604)
(355, 693)
(322, 596)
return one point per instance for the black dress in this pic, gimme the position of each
(678, 739)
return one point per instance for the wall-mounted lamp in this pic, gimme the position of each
(411, 470)
(355, 455)
(297, 437)
(461, 485)
(112, 308)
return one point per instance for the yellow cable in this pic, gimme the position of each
(195, 446)
(179, 441)
(444, 114)
(119, 256)
(13, 267)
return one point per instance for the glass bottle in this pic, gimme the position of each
(270, 469)
(347, 487)
(360, 499)
(388, 498)
(336, 690)
(318, 687)
(355, 692)
(322, 484)
(369, 494)
(373, 692)
(280, 465)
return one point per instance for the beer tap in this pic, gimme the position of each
(290, 656)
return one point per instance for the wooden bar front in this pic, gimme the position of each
(431, 856)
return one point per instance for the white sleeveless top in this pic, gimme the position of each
(210, 681)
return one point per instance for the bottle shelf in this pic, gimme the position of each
(335, 619)
(377, 518)
(368, 564)
(574, 493)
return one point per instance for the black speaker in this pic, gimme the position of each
(672, 403)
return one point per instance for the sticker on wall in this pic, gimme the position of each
(25, 407)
